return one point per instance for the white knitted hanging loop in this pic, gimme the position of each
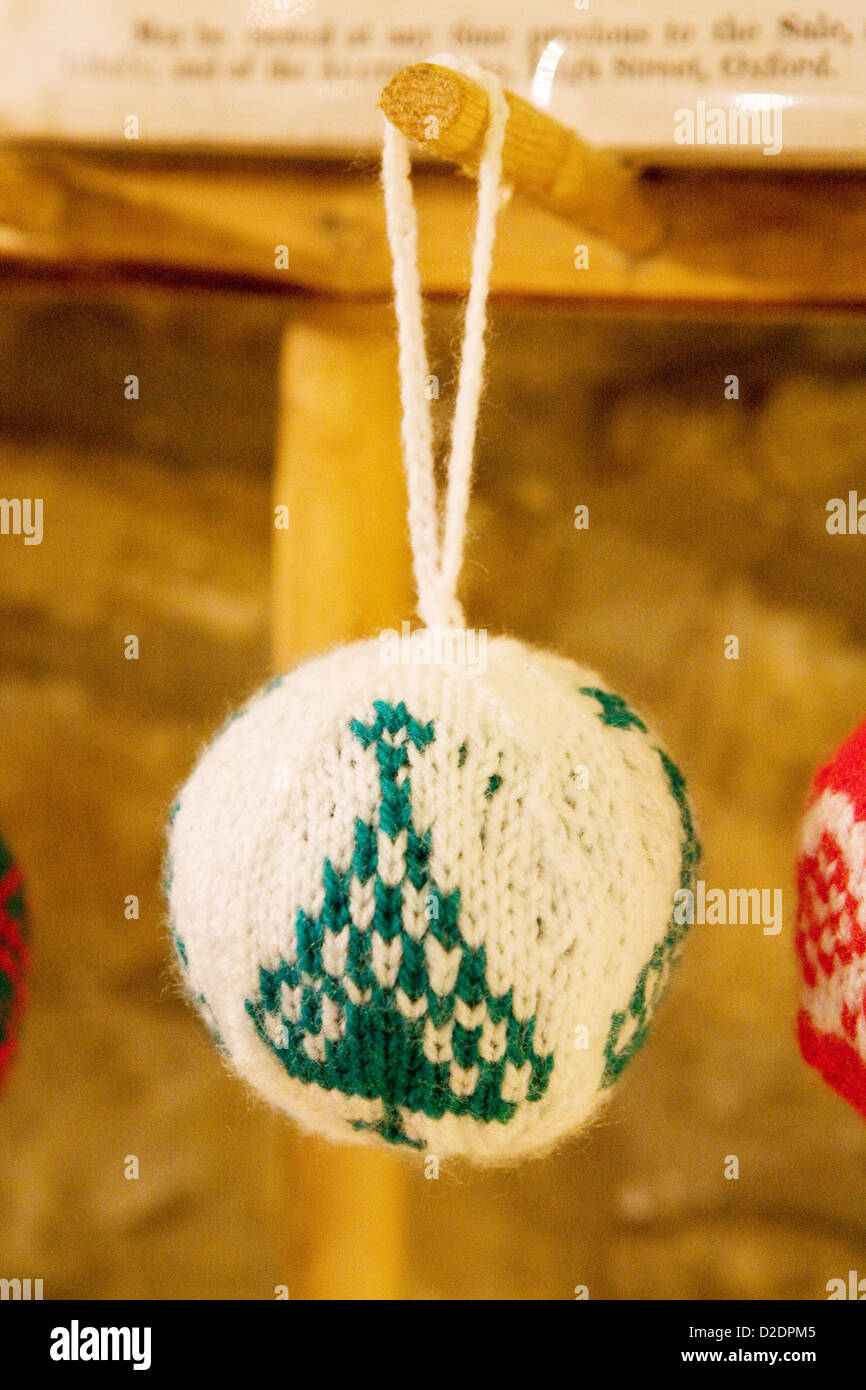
(438, 560)
(417, 425)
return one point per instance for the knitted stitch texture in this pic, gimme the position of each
(427, 906)
(831, 922)
(14, 957)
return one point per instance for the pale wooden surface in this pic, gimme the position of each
(341, 571)
(752, 238)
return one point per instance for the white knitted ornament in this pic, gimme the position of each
(424, 900)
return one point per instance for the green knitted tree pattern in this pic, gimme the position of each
(352, 1033)
(629, 1027)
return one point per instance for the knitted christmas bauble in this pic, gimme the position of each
(430, 905)
(14, 957)
(831, 922)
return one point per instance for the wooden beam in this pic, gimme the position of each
(749, 239)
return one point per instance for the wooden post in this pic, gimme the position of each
(341, 570)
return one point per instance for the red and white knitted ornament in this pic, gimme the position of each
(14, 956)
(831, 922)
(423, 899)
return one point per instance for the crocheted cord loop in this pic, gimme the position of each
(437, 543)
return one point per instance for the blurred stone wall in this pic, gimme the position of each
(706, 519)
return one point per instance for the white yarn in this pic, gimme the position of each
(830, 997)
(566, 872)
(438, 563)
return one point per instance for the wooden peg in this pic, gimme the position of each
(446, 113)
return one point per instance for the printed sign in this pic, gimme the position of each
(764, 82)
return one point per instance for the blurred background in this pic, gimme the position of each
(707, 519)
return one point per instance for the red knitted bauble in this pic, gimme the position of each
(14, 957)
(831, 922)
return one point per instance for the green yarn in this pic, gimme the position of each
(381, 1053)
(614, 710)
(13, 905)
(629, 1027)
